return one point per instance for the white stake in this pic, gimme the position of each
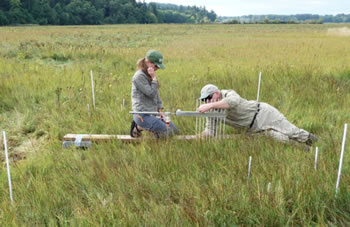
(123, 103)
(249, 166)
(7, 165)
(88, 106)
(268, 187)
(341, 158)
(196, 129)
(92, 89)
(316, 155)
(257, 98)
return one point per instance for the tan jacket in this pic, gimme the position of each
(269, 119)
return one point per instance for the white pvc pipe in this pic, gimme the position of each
(7, 166)
(316, 157)
(196, 129)
(341, 158)
(249, 165)
(223, 131)
(257, 98)
(92, 89)
(268, 187)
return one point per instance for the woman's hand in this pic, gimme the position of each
(161, 114)
(151, 72)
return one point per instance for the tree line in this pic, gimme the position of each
(84, 12)
(287, 19)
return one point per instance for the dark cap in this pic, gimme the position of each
(155, 57)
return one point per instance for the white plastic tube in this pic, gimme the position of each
(257, 97)
(93, 89)
(341, 158)
(316, 157)
(249, 165)
(7, 166)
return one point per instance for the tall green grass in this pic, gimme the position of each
(45, 90)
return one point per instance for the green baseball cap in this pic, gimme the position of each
(208, 90)
(155, 57)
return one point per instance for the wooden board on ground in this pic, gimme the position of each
(128, 138)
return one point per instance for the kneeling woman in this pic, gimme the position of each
(145, 98)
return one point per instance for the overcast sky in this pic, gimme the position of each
(282, 7)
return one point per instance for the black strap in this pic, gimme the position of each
(256, 113)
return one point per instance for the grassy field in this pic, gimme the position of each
(45, 90)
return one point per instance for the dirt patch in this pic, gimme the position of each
(20, 152)
(344, 31)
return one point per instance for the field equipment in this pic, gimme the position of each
(86, 140)
(216, 117)
(181, 113)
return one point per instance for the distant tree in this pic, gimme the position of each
(113, 12)
(233, 21)
(129, 13)
(82, 12)
(18, 15)
(170, 16)
(5, 5)
(62, 17)
(3, 18)
(41, 11)
(212, 16)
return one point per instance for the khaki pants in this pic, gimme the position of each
(276, 125)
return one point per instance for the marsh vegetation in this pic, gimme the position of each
(45, 89)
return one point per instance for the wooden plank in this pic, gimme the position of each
(128, 138)
(101, 137)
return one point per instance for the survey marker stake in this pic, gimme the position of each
(88, 108)
(93, 89)
(249, 165)
(257, 97)
(7, 165)
(316, 157)
(341, 159)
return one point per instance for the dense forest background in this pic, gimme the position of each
(80, 12)
(74, 12)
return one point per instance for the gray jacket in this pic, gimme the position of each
(144, 93)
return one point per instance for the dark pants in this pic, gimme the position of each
(156, 125)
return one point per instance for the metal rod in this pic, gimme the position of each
(148, 112)
(181, 113)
